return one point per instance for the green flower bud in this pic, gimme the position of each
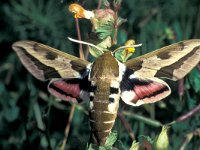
(162, 141)
(135, 146)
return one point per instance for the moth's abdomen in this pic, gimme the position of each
(102, 117)
(101, 129)
(105, 80)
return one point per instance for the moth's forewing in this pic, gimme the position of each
(172, 62)
(45, 62)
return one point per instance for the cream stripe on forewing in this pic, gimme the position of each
(60, 63)
(188, 64)
(32, 68)
(152, 64)
(181, 67)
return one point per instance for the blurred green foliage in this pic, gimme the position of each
(31, 119)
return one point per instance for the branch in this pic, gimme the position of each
(188, 115)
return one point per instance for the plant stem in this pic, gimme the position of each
(181, 87)
(81, 54)
(146, 120)
(126, 126)
(99, 4)
(68, 126)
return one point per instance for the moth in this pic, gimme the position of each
(106, 80)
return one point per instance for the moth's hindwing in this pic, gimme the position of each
(136, 90)
(73, 90)
(45, 62)
(172, 62)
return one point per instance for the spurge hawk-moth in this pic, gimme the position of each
(105, 81)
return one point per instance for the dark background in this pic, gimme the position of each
(31, 119)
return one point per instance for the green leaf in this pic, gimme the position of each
(12, 113)
(121, 37)
(111, 139)
(194, 78)
(90, 147)
(146, 143)
(105, 30)
(94, 52)
(103, 44)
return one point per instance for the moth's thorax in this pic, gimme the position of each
(104, 76)
(104, 73)
(105, 66)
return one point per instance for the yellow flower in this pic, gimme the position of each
(80, 12)
(130, 43)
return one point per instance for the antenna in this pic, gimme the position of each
(86, 43)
